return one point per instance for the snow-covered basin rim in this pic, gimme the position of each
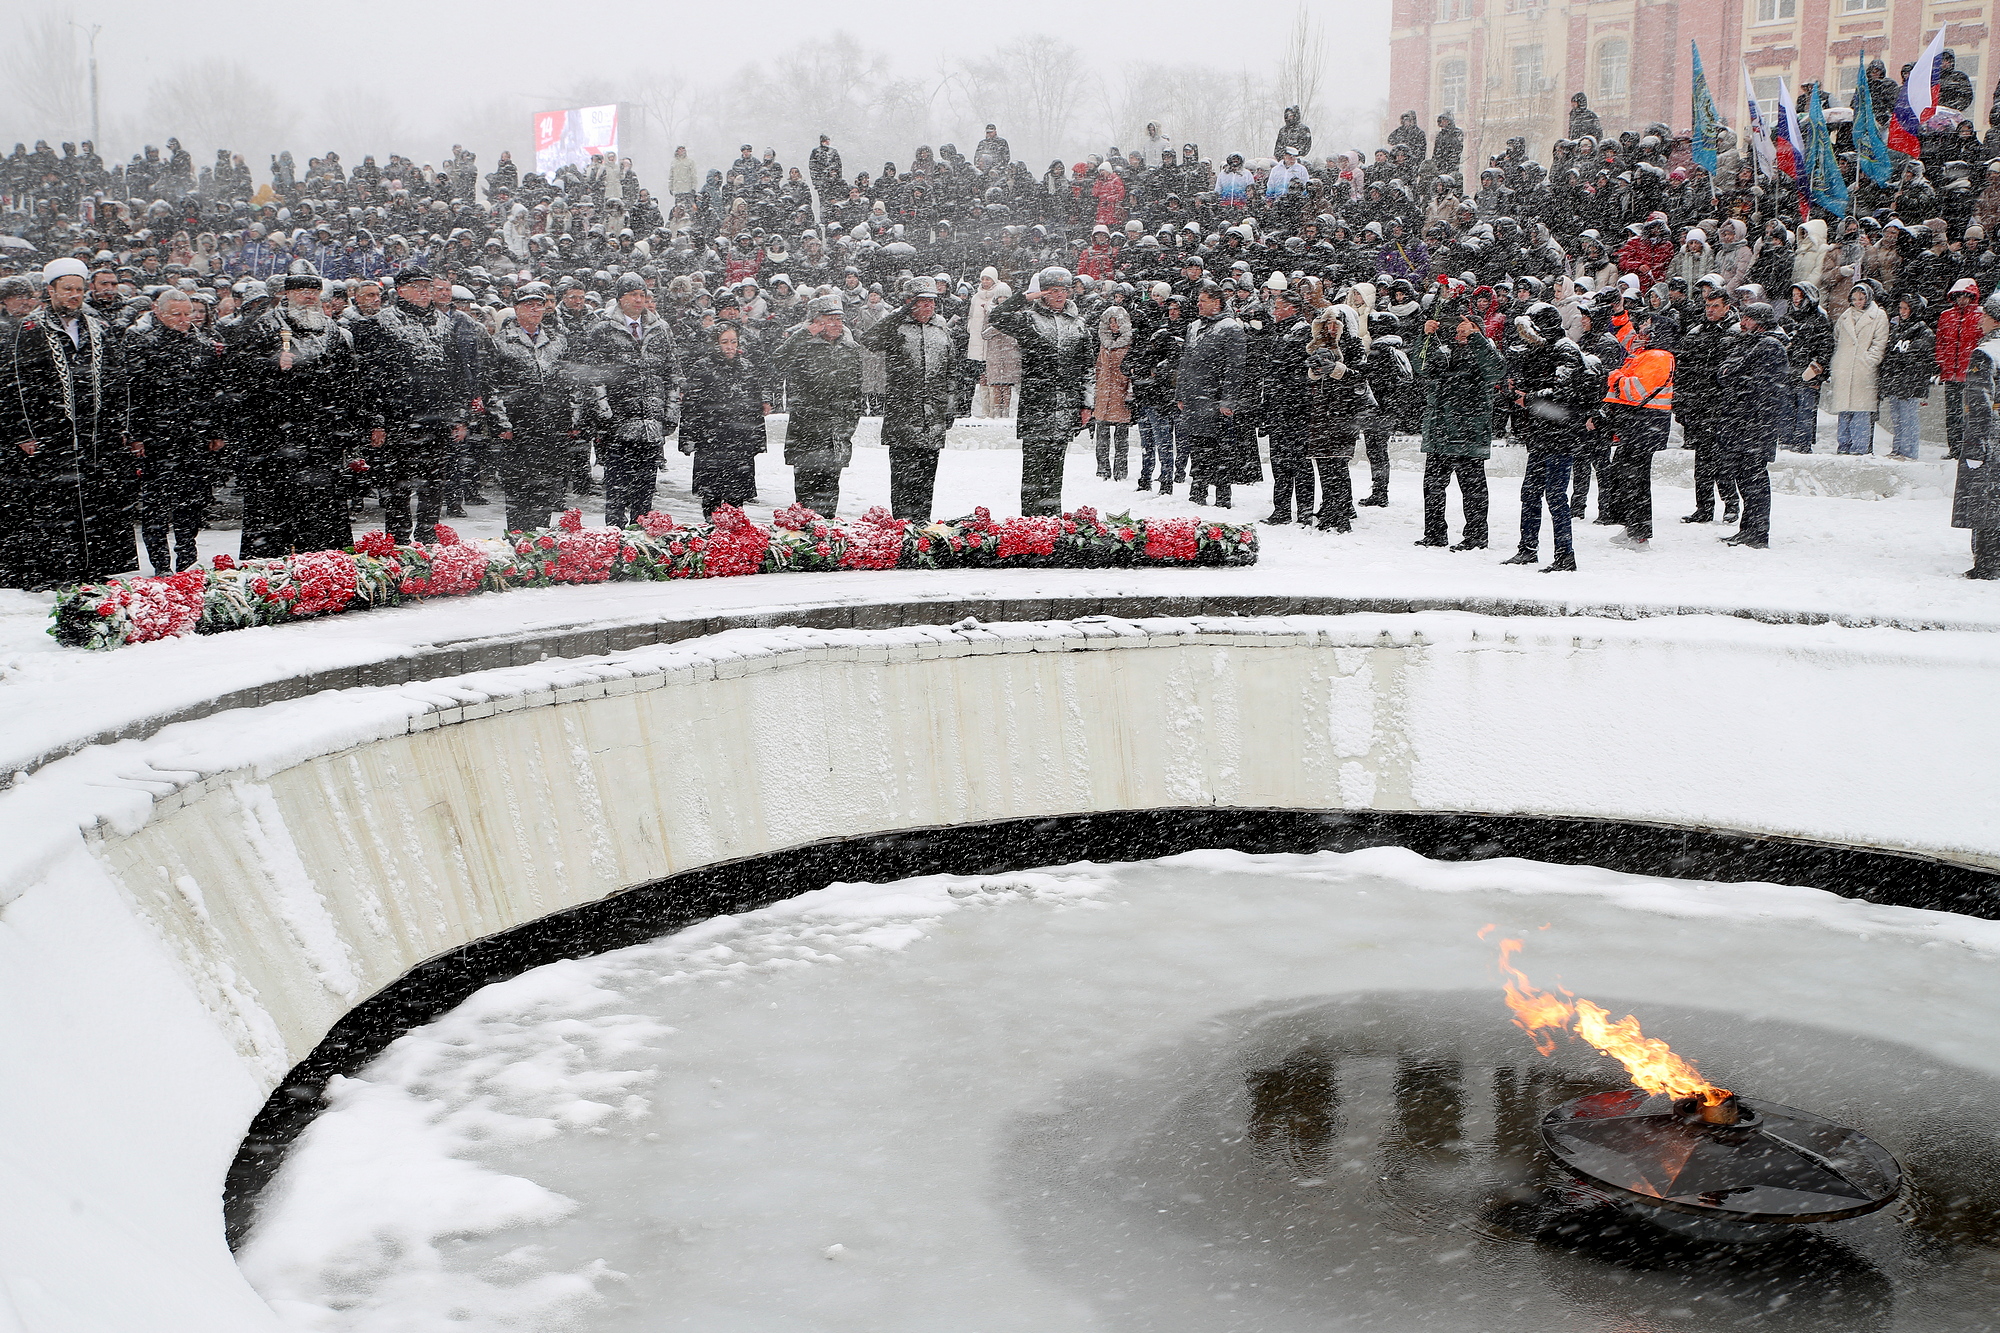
(394, 661)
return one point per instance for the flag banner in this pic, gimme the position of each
(1786, 145)
(1916, 100)
(1706, 122)
(569, 138)
(1871, 150)
(1761, 148)
(1822, 175)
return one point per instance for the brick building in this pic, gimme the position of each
(1509, 67)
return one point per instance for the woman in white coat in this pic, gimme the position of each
(1860, 338)
(990, 294)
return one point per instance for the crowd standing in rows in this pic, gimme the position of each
(422, 333)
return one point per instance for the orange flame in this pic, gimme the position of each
(1650, 1062)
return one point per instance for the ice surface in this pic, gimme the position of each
(1069, 1100)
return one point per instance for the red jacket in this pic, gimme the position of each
(1096, 261)
(1648, 259)
(1957, 335)
(1110, 195)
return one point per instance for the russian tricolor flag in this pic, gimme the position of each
(1917, 100)
(1787, 144)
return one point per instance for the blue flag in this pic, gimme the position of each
(1871, 150)
(1821, 175)
(1706, 122)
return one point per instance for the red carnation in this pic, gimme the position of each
(446, 537)
(377, 543)
(571, 520)
(546, 542)
(224, 561)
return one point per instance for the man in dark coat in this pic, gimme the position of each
(1459, 370)
(821, 364)
(630, 353)
(1447, 146)
(1294, 136)
(1975, 500)
(1752, 374)
(1058, 375)
(825, 166)
(68, 477)
(1410, 135)
(297, 383)
(1698, 402)
(415, 393)
(921, 353)
(1287, 408)
(1210, 386)
(534, 403)
(170, 412)
(1555, 395)
(1582, 120)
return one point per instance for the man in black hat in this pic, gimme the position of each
(1058, 373)
(921, 352)
(821, 364)
(297, 420)
(416, 394)
(630, 354)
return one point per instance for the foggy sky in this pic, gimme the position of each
(425, 67)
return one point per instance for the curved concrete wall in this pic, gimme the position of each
(250, 877)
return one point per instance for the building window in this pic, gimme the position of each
(1766, 92)
(1614, 69)
(1862, 6)
(1968, 65)
(1777, 11)
(1453, 11)
(1528, 70)
(1451, 87)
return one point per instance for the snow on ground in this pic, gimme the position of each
(1015, 1102)
(1892, 556)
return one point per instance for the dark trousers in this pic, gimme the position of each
(1954, 417)
(912, 479)
(1628, 476)
(1156, 442)
(1547, 479)
(1710, 476)
(1588, 464)
(1336, 491)
(1985, 553)
(1042, 476)
(533, 476)
(631, 476)
(1114, 449)
(172, 502)
(416, 464)
(1748, 472)
(1439, 469)
(817, 488)
(1376, 434)
(1293, 488)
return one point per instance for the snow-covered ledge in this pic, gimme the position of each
(184, 917)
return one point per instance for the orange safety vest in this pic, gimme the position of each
(1645, 380)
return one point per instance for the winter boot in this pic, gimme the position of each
(1524, 556)
(1564, 563)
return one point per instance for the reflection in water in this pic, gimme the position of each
(1435, 1173)
(1375, 1163)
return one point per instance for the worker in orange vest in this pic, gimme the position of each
(1639, 405)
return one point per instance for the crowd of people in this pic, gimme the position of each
(423, 333)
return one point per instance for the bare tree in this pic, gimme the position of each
(48, 94)
(1303, 65)
(1036, 84)
(219, 103)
